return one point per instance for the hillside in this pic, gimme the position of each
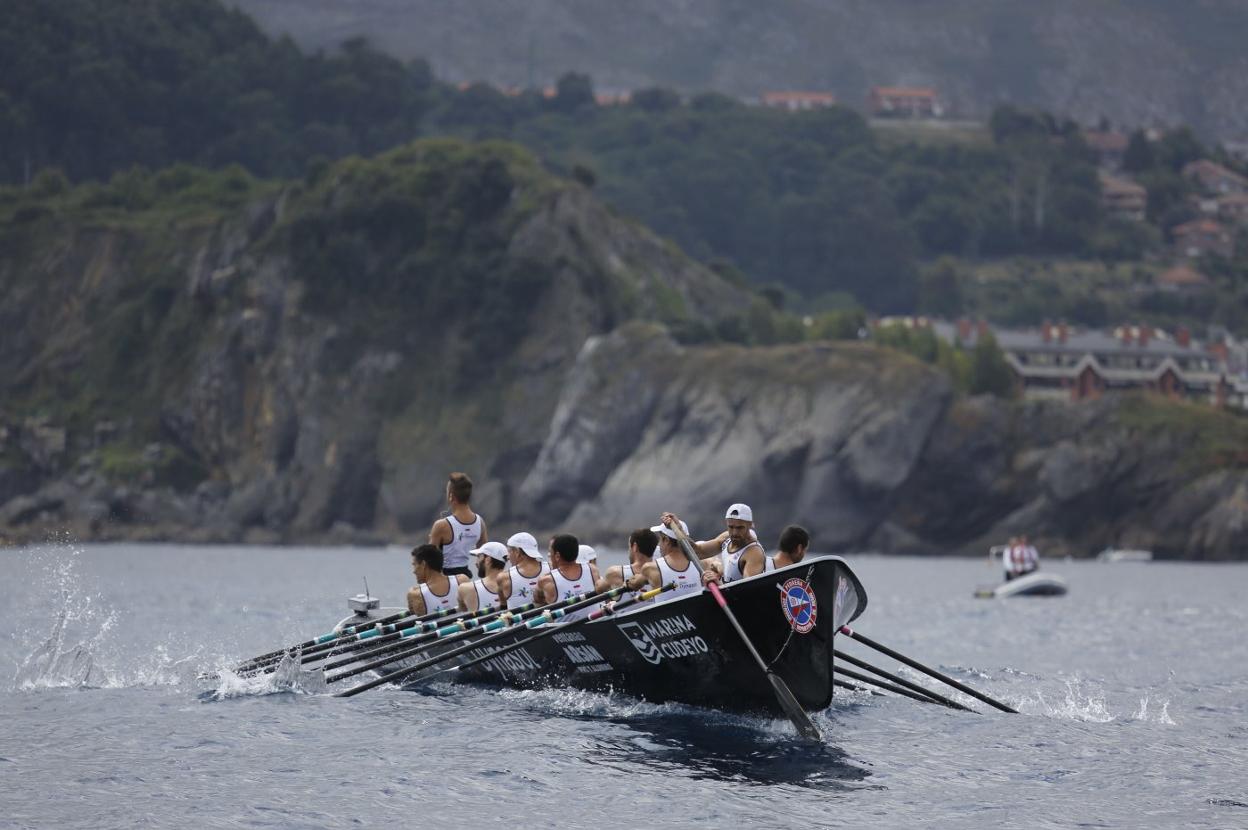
(276, 358)
(1136, 62)
(203, 356)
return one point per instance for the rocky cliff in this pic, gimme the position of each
(202, 357)
(870, 450)
(1138, 62)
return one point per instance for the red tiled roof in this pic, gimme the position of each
(1105, 142)
(904, 91)
(1181, 275)
(1198, 226)
(785, 97)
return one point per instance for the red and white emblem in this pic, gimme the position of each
(797, 600)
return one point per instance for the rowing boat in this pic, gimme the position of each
(684, 649)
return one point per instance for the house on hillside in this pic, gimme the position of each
(1057, 361)
(904, 102)
(1182, 278)
(796, 101)
(1123, 199)
(1233, 208)
(1214, 178)
(1109, 147)
(1203, 237)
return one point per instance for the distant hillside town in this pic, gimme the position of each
(1057, 361)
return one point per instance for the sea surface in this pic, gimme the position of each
(1133, 693)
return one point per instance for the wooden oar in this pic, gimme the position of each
(551, 612)
(900, 681)
(546, 632)
(254, 662)
(426, 633)
(784, 696)
(373, 639)
(897, 690)
(867, 641)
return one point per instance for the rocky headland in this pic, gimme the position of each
(305, 362)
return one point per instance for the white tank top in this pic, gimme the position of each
(524, 587)
(769, 564)
(485, 597)
(687, 581)
(566, 588)
(463, 539)
(433, 602)
(732, 561)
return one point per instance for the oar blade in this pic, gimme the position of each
(784, 695)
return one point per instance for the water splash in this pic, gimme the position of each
(1160, 714)
(81, 645)
(55, 663)
(288, 678)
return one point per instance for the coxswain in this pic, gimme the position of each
(435, 590)
(461, 529)
(641, 545)
(670, 564)
(1030, 556)
(517, 585)
(483, 591)
(568, 577)
(735, 553)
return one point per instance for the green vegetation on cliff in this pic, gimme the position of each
(812, 202)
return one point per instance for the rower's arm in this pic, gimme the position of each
(753, 561)
(613, 578)
(485, 532)
(440, 534)
(504, 588)
(710, 547)
(416, 601)
(467, 598)
(545, 590)
(652, 574)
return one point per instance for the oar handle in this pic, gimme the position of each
(548, 613)
(784, 695)
(605, 611)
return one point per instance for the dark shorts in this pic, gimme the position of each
(456, 571)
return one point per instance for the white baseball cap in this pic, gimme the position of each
(586, 554)
(668, 532)
(740, 511)
(494, 550)
(526, 543)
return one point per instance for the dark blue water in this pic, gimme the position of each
(1133, 691)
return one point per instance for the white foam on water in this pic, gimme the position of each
(1160, 713)
(288, 678)
(83, 631)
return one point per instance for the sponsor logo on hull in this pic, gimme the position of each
(670, 637)
(797, 600)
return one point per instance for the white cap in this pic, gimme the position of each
(740, 511)
(586, 554)
(668, 532)
(526, 543)
(494, 550)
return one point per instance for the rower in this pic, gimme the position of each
(739, 553)
(435, 590)
(794, 540)
(517, 585)
(483, 592)
(567, 577)
(641, 545)
(671, 564)
(461, 529)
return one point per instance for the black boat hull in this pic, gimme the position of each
(686, 650)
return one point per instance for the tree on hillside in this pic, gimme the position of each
(990, 374)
